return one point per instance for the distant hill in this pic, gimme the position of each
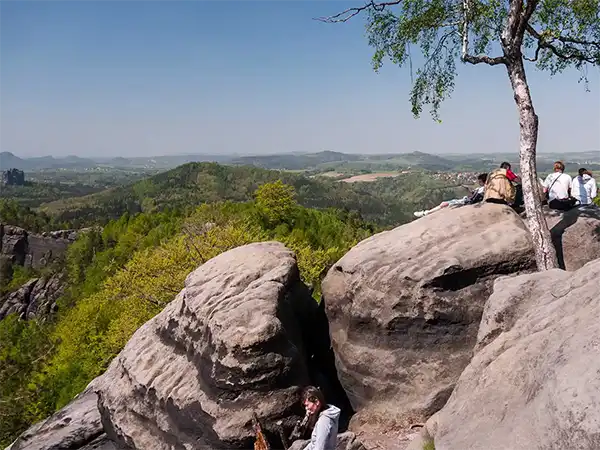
(315, 162)
(386, 202)
(11, 161)
(291, 161)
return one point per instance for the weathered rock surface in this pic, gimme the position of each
(576, 235)
(77, 426)
(35, 299)
(345, 441)
(243, 335)
(229, 344)
(33, 250)
(404, 308)
(533, 382)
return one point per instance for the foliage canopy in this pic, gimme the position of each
(557, 34)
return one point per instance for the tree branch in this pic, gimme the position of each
(571, 40)
(567, 52)
(535, 58)
(524, 21)
(474, 59)
(484, 59)
(465, 30)
(439, 46)
(349, 13)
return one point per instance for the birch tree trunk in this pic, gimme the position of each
(545, 253)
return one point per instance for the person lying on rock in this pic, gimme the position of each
(475, 197)
(323, 419)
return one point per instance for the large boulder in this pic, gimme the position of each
(243, 336)
(77, 426)
(576, 235)
(533, 382)
(405, 305)
(230, 344)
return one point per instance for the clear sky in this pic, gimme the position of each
(117, 78)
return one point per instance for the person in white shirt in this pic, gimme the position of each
(583, 187)
(558, 188)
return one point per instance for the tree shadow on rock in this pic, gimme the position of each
(566, 220)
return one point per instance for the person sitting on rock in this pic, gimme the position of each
(475, 197)
(499, 188)
(583, 187)
(513, 178)
(324, 417)
(558, 188)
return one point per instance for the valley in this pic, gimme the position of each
(89, 254)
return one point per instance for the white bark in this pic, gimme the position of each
(545, 253)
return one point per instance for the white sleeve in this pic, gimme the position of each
(594, 191)
(323, 428)
(547, 181)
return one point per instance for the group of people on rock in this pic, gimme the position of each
(502, 185)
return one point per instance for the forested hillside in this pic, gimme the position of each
(389, 202)
(123, 274)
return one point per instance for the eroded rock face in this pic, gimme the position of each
(404, 307)
(33, 250)
(533, 382)
(35, 299)
(243, 336)
(576, 235)
(229, 344)
(77, 426)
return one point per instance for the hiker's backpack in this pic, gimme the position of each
(499, 187)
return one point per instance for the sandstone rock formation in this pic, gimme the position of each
(576, 235)
(404, 307)
(35, 299)
(243, 336)
(12, 177)
(533, 382)
(21, 247)
(77, 426)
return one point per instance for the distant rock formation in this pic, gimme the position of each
(19, 246)
(533, 381)
(243, 336)
(13, 177)
(35, 299)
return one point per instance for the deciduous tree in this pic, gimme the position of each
(553, 34)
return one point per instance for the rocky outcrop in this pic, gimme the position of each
(243, 336)
(35, 299)
(576, 235)
(13, 177)
(77, 426)
(533, 382)
(229, 344)
(345, 441)
(404, 307)
(18, 246)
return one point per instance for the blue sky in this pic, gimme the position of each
(117, 78)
